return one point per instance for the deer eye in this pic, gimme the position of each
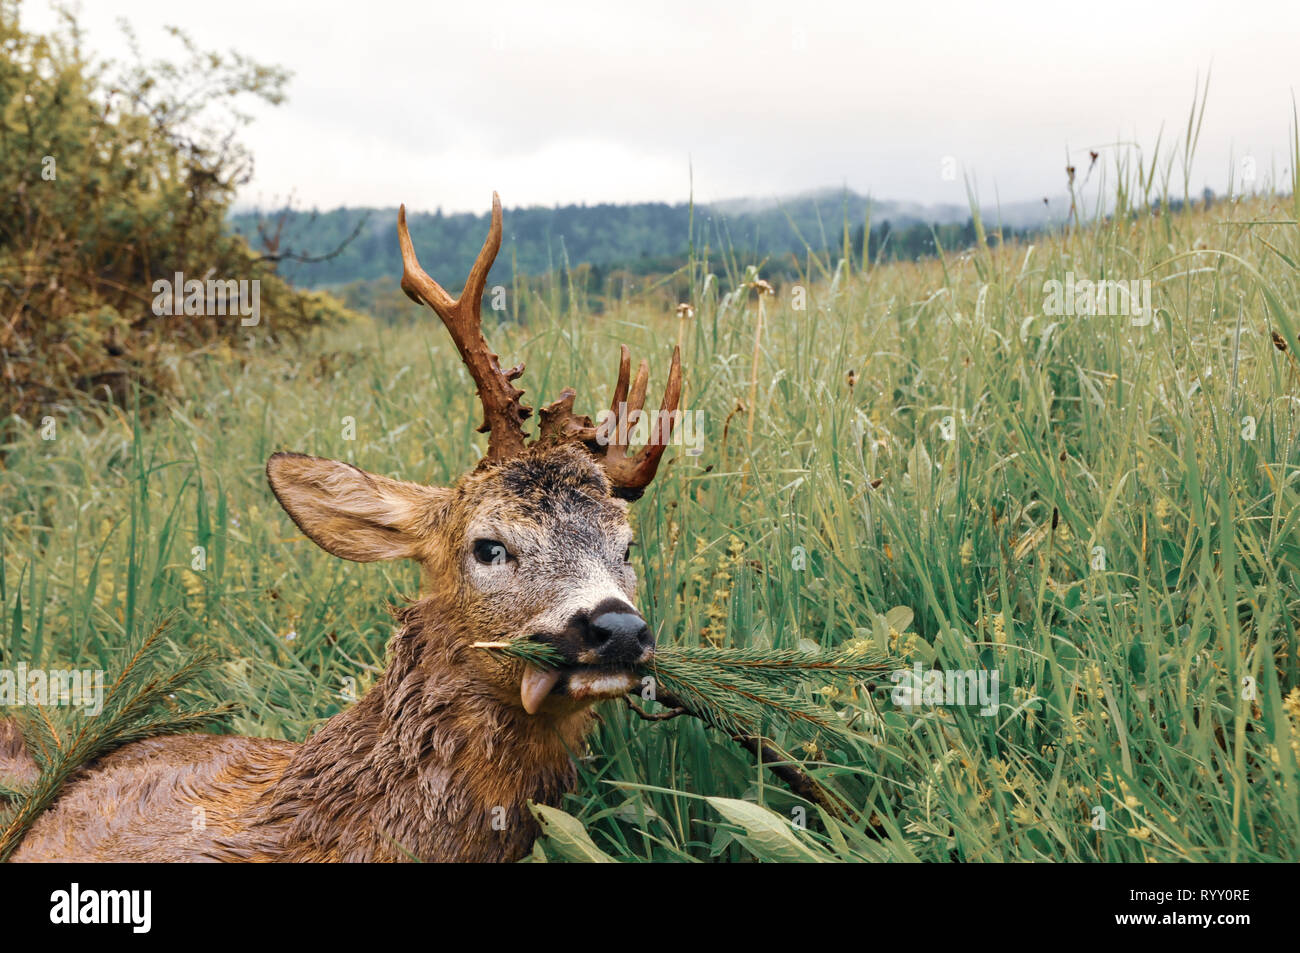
(627, 553)
(491, 552)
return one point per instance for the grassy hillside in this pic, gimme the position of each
(1107, 520)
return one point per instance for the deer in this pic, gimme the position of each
(439, 759)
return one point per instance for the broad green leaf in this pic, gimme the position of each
(567, 836)
(766, 833)
(899, 618)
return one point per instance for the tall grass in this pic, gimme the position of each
(1143, 705)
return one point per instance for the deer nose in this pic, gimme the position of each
(619, 635)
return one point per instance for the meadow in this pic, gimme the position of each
(914, 457)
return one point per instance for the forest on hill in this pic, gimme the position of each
(345, 245)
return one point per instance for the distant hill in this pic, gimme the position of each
(640, 238)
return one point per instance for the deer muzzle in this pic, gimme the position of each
(602, 649)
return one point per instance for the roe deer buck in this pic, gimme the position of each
(439, 758)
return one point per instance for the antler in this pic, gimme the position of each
(503, 413)
(630, 475)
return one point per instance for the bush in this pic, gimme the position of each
(113, 178)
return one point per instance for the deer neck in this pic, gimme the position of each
(432, 763)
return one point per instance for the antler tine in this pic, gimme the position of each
(503, 413)
(636, 399)
(478, 274)
(624, 369)
(417, 285)
(631, 475)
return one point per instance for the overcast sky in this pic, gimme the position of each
(438, 103)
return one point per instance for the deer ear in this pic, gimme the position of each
(351, 513)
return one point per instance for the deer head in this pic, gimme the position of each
(534, 542)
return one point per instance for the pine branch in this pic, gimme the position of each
(783, 661)
(745, 693)
(139, 704)
(739, 703)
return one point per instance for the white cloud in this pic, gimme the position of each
(437, 104)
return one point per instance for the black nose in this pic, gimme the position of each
(618, 634)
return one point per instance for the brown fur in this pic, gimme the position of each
(17, 768)
(438, 760)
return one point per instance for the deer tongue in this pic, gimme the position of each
(537, 684)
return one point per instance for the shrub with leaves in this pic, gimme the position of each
(112, 177)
